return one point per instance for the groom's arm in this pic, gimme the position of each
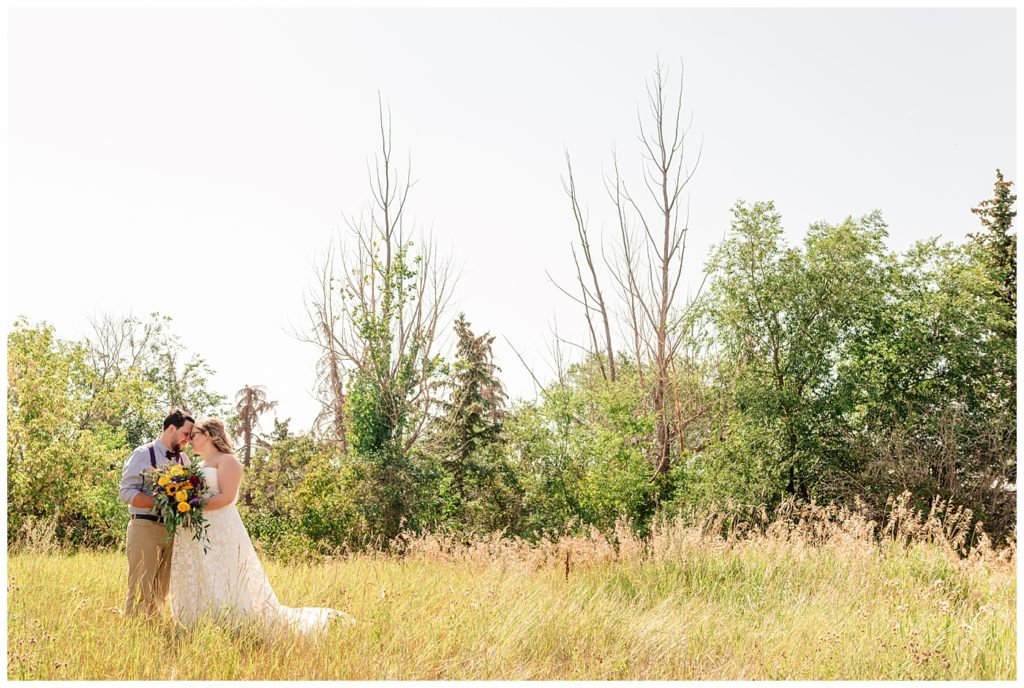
(131, 491)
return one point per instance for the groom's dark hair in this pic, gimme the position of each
(178, 418)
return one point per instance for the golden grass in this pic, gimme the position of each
(800, 600)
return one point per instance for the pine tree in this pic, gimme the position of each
(475, 409)
(997, 241)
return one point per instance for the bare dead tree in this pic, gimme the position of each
(665, 176)
(591, 297)
(537, 386)
(647, 268)
(624, 268)
(329, 423)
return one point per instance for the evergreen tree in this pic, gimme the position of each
(997, 242)
(474, 411)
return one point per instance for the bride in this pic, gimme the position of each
(227, 581)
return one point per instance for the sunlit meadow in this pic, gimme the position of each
(812, 596)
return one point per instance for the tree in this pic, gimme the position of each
(148, 354)
(647, 271)
(784, 316)
(473, 413)
(933, 408)
(288, 515)
(591, 296)
(995, 249)
(251, 402)
(376, 321)
(998, 244)
(58, 466)
(124, 389)
(329, 423)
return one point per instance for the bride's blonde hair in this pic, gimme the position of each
(217, 433)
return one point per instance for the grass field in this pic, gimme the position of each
(786, 604)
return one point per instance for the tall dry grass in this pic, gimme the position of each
(811, 593)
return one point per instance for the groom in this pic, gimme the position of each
(149, 549)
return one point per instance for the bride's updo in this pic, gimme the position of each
(217, 433)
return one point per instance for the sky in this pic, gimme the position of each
(196, 162)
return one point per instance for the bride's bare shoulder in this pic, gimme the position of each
(225, 461)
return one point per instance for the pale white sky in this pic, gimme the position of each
(194, 162)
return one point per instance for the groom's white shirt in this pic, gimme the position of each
(131, 476)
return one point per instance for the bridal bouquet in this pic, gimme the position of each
(177, 492)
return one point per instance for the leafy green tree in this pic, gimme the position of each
(378, 317)
(783, 316)
(383, 403)
(848, 370)
(286, 478)
(930, 381)
(538, 447)
(580, 455)
(122, 394)
(613, 444)
(183, 380)
(140, 370)
(56, 468)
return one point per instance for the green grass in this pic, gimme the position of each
(768, 608)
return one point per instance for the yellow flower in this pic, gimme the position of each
(181, 496)
(183, 507)
(164, 481)
(171, 488)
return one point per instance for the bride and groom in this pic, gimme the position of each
(226, 581)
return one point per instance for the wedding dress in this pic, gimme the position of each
(227, 582)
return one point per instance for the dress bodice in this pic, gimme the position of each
(210, 476)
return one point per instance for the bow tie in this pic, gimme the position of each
(174, 455)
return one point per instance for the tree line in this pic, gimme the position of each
(834, 370)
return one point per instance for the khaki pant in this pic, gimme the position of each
(149, 566)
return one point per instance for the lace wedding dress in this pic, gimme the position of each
(227, 582)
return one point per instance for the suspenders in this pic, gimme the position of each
(152, 456)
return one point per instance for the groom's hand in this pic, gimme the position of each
(143, 501)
